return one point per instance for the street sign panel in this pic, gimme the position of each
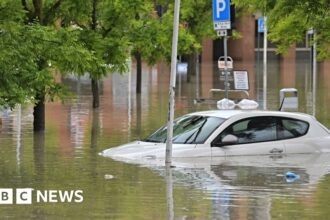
(222, 25)
(222, 63)
(222, 33)
(241, 80)
(261, 25)
(221, 14)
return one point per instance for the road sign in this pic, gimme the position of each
(241, 80)
(222, 33)
(222, 63)
(221, 14)
(261, 25)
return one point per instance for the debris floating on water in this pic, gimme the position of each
(291, 177)
(108, 177)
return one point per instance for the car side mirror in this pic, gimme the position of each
(229, 139)
(226, 140)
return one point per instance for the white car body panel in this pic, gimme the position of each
(262, 148)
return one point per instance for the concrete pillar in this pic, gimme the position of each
(207, 50)
(323, 95)
(243, 50)
(288, 68)
(206, 74)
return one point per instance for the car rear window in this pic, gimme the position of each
(291, 128)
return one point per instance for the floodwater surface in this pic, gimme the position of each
(65, 158)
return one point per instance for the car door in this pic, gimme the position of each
(255, 136)
(293, 132)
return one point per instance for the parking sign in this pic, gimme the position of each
(221, 14)
(261, 25)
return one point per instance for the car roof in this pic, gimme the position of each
(226, 114)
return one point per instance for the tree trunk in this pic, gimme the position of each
(191, 66)
(138, 72)
(96, 95)
(37, 4)
(94, 18)
(95, 128)
(95, 83)
(39, 113)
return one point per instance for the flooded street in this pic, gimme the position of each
(66, 156)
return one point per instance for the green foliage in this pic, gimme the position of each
(57, 38)
(195, 25)
(289, 21)
(29, 56)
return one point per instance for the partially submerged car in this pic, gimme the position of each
(221, 133)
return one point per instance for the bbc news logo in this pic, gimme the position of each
(29, 196)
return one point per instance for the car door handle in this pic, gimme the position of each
(276, 151)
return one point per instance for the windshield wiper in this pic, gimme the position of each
(193, 121)
(196, 133)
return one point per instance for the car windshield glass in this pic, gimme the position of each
(189, 129)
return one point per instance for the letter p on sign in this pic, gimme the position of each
(221, 10)
(221, 6)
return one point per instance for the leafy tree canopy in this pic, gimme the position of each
(39, 37)
(289, 21)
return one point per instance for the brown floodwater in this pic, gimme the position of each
(66, 156)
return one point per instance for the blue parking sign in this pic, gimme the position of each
(221, 10)
(261, 25)
(221, 14)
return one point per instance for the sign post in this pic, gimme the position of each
(265, 63)
(222, 22)
(168, 159)
(261, 29)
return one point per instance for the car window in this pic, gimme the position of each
(291, 128)
(189, 129)
(251, 130)
(259, 129)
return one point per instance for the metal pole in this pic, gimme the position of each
(314, 73)
(258, 66)
(226, 75)
(168, 159)
(197, 76)
(265, 64)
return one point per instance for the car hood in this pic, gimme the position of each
(148, 153)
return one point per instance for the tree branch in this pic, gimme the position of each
(25, 6)
(106, 31)
(38, 9)
(51, 11)
(29, 13)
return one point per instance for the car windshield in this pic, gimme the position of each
(188, 129)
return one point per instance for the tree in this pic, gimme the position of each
(32, 47)
(288, 21)
(103, 25)
(195, 26)
(145, 34)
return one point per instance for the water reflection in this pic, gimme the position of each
(169, 192)
(250, 187)
(39, 154)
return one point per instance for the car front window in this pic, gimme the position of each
(189, 129)
(252, 130)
